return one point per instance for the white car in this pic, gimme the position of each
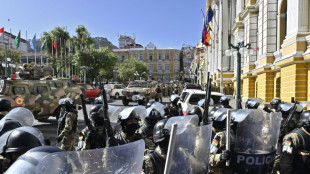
(116, 90)
(190, 97)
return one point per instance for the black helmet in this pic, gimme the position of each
(154, 115)
(149, 104)
(304, 119)
(275, 103)
(129, 129)
(159, 133)
(252, 103)
(20, 141)
(5, 104)
(213, 110)
(196, 110)
(123, 120)
(9, 125)
(224, 100)
(67, 102)
(174, 99)
(94, 115)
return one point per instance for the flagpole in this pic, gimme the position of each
(61, 68)
(53, 56)
(65, 59)
(41, 52)
(27, 47)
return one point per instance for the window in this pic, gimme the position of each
(59, 85)
(159, 57)
(160, 67)
(150, 58)
(167, 57)
(194, 99)
(42, 89)
(151, 68)
(141, 58)
(176, 68)
(18, 90)
(88, 87)
(167, 67)
(176, 57)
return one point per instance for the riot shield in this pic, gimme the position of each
(140, 110)
(20, 114)
(173, 96)
(32, 130)
(183, 122)
(27, 163)
(121, 159)
(113, 109)
(254, 150)
(159, 107)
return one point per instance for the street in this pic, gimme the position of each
(49, 128)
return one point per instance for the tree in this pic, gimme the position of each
(129, 67)
(83, 39)
(100, 62)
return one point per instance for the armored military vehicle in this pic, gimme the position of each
(140, 91)
(39, 95)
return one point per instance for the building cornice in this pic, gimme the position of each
(249, 10)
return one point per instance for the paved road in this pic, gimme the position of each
(49, 127)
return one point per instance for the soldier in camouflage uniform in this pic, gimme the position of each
(68, 126)
(97, 137)
(295, 157)
(5, 106)
(154, 161)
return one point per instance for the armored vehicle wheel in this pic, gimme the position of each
(117, 96)
(125, 101)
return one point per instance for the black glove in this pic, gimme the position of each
(266, 109)
(58, 139)
(225, 155)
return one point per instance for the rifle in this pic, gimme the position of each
(284, 127)
(205, 118)
(86, 118)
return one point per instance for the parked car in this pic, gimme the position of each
(116, 90)
(90, 91)
(190, 97)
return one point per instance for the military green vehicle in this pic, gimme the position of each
(39, 95)
(140, 91)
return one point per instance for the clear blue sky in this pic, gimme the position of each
(166, 23)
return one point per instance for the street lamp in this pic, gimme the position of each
(115, 71)
(240, 48)
(136, 75)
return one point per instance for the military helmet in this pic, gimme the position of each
(224, 100)
(123, 119)
(20, 141)
(252, 103)
(66, 101)
(275, 103)
(159, 133)
(304, 119)
(196, 110)
(9, 125)
(5, 104)
(174, 99)
(95, 116)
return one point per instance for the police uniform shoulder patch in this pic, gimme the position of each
(288, 146)
(215, 145)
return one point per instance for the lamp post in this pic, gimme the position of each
(239, 48)
(115, 71)
(84, 68)
(136, 75)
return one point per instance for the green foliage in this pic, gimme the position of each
(83, 40)
(129, 67)
(12, 53)
(100, 62)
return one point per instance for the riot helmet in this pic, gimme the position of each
(153, 115)
(5, 104)
(196, 110)
(224, 100)
(67, 103)
(174, 99)
(94, 115)
(129, 122)
(149, 104)
(304, 120)
(253, 103)
(9, 125)
(159, 133)
(275, 103)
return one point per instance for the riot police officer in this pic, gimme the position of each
(17, 143)
(5, 106)
(295, 157)
(97, 136)
(253, 103)
(196, 110)
(154, 161)
(128, 119)
(224, 101)
(67, 126)
(172, 109)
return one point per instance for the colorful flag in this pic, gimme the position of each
(55, 45)
(1, 31)
(17, 40)
(43, 46)
(32, 41)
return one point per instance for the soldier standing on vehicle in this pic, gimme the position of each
(68, 126)
(154, 161)
(295, 157)
(129, 120)
(97, 137)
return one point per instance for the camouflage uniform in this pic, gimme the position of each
(4, 164)
(166, 90)
(295, 157)
(147, 135)
(226, 90)
(148, 165)
(68, 134)
(230, 90)
(123, 138)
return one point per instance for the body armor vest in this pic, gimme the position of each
(158, 162)
(302, 160)
(96, 138)
(121, 140)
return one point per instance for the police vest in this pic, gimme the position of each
(302, 160)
